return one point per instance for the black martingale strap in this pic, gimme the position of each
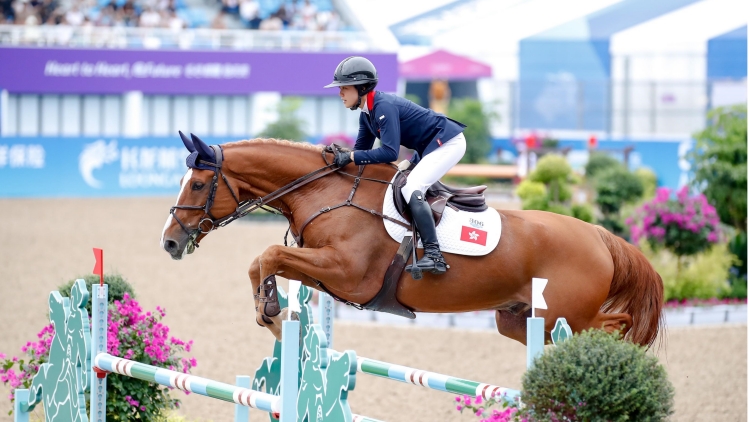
(348, 203)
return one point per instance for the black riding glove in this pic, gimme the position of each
(342, 158)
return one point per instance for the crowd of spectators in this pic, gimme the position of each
(143, 13)
(291, 14)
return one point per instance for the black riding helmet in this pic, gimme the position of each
(357, 71)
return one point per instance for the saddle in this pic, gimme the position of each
(440, 196)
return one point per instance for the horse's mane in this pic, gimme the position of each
(273, 141)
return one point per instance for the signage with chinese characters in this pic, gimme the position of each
(65, 167)
(21, 155)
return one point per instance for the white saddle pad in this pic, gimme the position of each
(459, 232)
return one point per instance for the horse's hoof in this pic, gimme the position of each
(284, 315)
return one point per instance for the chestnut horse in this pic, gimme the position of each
(595, 278)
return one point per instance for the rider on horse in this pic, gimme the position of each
(438, 143)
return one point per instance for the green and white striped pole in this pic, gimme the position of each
(191, 383)
(433, 381)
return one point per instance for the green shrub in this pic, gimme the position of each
(551, 167)
(559, 209)
(595, 376)
(554, 171)
(599, 161)
(142, 337)
(118, 286)
(583, 212)
(700, 276)
(538, 203)
(527, 190)
(648, 180)
(615, 187)
(550, 188)
(477, 132)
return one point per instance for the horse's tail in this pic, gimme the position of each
(636, 289)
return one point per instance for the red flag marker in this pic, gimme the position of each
(99, 266)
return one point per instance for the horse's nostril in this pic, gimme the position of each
(170, 246)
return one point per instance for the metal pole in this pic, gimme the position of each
(290, 332)
(98, 386)
(534, 339)
(21, 401)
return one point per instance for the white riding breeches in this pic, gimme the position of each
(434, 165)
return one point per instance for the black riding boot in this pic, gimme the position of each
(421, 213)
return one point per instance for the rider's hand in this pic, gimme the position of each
(342, 158)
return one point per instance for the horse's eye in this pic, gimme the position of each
(197, 185)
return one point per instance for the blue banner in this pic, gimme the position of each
(91, 167)
(101, 167)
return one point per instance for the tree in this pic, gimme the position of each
(288, 126)
(615, 187)
(477, 132)
(719, 162)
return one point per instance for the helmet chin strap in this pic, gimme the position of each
(356, 106)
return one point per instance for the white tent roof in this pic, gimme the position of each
(686, 30)
(493, 38)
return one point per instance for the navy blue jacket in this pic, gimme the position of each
(397, 121)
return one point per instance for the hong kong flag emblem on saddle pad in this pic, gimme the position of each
(459, 232)
(473, 235)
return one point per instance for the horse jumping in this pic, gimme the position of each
(597, 280)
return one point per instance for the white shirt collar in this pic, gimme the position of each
(365, 109)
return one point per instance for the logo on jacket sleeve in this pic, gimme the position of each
(473, 235)
(381, 117)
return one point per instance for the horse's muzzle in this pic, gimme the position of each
(177, 249)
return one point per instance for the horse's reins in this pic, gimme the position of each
(245, 207)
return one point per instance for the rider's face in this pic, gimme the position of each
(348, 95)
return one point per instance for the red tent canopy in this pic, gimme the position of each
(443, 65)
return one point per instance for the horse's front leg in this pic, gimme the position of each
(307, 265)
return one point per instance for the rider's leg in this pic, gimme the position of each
(429, 170)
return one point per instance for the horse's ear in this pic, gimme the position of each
(203, 149)
(188, 143)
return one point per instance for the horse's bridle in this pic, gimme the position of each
(245, 207)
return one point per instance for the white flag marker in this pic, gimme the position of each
(293, 297)
(537, 294)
